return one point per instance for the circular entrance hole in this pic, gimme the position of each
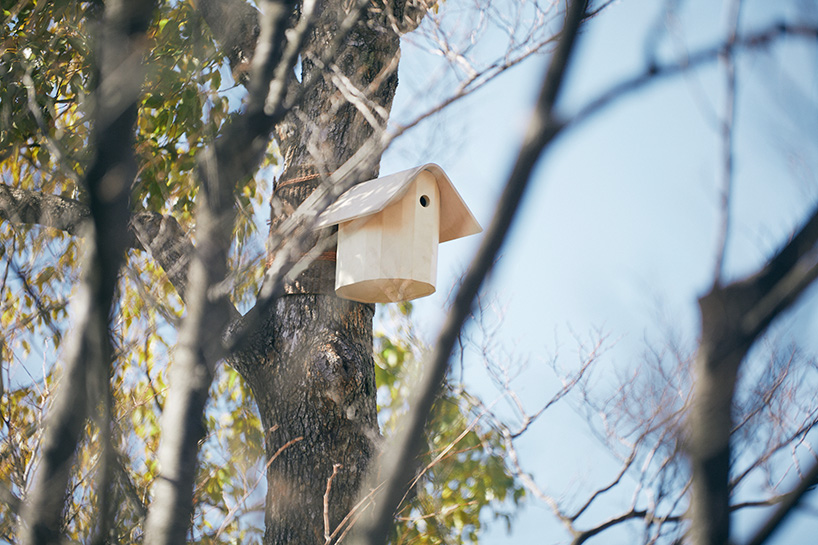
(424, 201)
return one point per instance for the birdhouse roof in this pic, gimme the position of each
(367, 198)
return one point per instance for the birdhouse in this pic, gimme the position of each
(388, 232)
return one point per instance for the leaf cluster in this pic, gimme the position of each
(465, 475)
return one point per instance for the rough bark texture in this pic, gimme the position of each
(233, 156)
(167, 243)
(160, 235)
(235, 26)
(717, 362)
(310, 367)
(32, 207)
(315, 381)
(312, 374)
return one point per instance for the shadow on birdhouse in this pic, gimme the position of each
(388, 232)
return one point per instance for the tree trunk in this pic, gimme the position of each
(311, 369)
(315, 387)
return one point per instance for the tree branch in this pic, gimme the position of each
(585, 535)
(732, 319)
(788, 503)
(397, 465)
(727, 129)
(235, 154)
(168, 244)
(10, 498)
(235, 25)
(35, 208)
(108, 182)
(783, 279)
(704, 56)
(159, 235)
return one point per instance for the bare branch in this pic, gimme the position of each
(727, 138)
(732, 318)
(788, 503)
(327, 535)
(654, 72)
(397, 464)
(108, 180)
(585, 535)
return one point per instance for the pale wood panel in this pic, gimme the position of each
(392, 255)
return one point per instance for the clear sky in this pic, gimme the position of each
(619, 230)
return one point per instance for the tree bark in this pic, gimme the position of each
(310, 365)
(313, 377)
(316, 379)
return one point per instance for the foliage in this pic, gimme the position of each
(46, 69)
(465, 473)
(46, 65)
(43, 142)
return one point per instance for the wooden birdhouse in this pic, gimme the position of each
(388, 232)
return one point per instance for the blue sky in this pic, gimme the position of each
(619, 229)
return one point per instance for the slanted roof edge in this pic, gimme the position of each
(373, 196)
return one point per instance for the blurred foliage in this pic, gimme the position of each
(48, 78)
(465, 475)
(47, 71)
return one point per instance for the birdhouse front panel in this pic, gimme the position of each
(392, 255)
(389, 230)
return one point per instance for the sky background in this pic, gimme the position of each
(618, 232)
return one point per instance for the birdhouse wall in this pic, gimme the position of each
(392, 255)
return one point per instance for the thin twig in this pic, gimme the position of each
(327, 535)
(232, 512)
(727, 129)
